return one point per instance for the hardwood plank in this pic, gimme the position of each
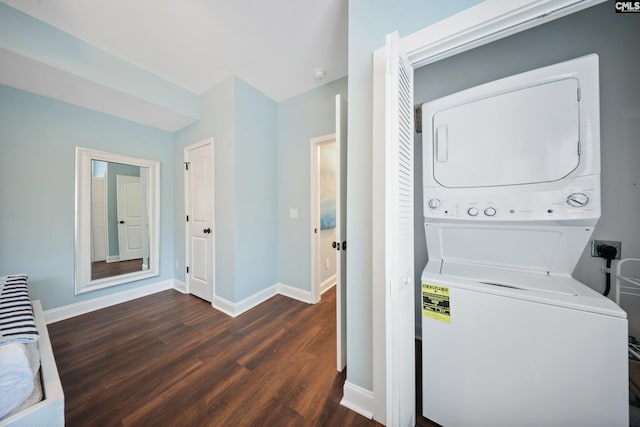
(171, 359)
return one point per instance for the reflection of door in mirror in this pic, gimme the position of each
(119, 220)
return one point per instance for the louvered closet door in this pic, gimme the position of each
(400, 305)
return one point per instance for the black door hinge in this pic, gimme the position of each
(186, 166)
(187, 270)
(187, 218)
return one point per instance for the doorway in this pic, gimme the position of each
(329, 218)
(323, 195)
(199, 220)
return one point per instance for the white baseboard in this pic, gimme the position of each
(358, 399)
(232, 309)
(180, 286)
(235, 309)
(67, 311)
(327, 284)
(295, 293)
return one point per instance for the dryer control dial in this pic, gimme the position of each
(577, 200)
(433, 203)
(472, 211)
(490, 211)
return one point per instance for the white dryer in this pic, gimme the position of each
(512, 193)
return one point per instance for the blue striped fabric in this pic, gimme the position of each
(16, 313)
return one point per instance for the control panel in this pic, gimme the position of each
(568, 203)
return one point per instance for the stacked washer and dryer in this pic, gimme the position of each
(511, 198)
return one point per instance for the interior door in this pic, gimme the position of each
(129, 217)
(399, 271)
(341, 232)
(199, 257)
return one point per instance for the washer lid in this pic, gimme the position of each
(523, 136)
(512, 279)
(559, 290)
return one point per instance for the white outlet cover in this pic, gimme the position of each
(293, 213)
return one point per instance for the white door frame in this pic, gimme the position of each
(208, 141)
(314, 230)
(486, 22)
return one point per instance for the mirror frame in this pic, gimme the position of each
(83, 282)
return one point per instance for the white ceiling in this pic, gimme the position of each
(273, 45)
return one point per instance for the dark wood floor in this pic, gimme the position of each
(171, 360)
(102, 269)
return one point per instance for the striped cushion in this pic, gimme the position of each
(16, 314)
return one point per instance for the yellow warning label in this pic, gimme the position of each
(435, 302)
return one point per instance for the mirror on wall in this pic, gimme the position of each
(117, 217)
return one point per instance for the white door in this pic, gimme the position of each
(341, 232)
(199, 231)
(399, 274)
(129, 217)
(98, 220)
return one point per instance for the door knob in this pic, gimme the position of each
(121, 222)
(333, 245)
(207, 231)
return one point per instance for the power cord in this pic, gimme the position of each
(607, 252)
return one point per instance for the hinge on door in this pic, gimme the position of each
(187, 270)
(186, 166)
(579, 95)
(187, 218)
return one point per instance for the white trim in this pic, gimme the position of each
(358, 399)
(180, 286)
(113, 258)
(230, 308)
(483, 23)
(234, 309)
(327, 284)
(67, 311)
(82, 256)
(315, 212)
(296, 293)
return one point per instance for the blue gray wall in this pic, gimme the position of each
(595, 30)
(242, 122)
(369, 22)
(216, 106)
(38, 137)
(256, 177)
(299, 119)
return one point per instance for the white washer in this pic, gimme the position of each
(512, 193)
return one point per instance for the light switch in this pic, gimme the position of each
(293, 213)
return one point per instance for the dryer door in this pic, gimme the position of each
(523, 136)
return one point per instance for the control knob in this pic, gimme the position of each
(472, 211)
(490, 211)
(577, 200)
(433, 203)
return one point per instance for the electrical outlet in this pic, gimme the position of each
(616, 244)
(326, 264)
